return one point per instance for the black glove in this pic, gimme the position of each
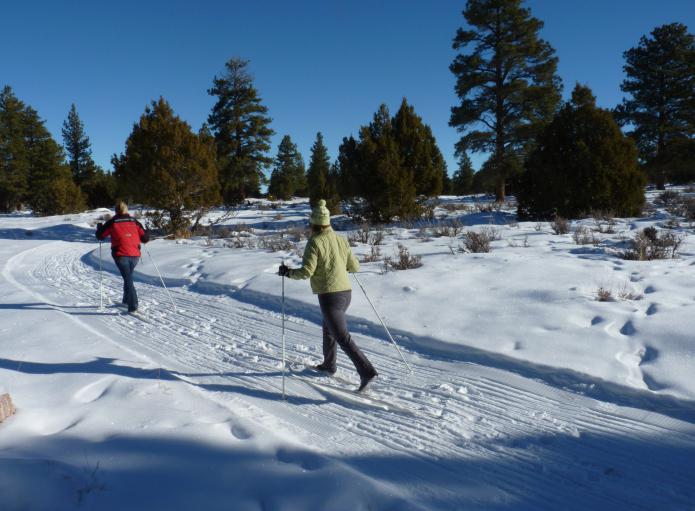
(284, 271)
(100, 225)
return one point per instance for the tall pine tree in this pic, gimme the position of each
(14, 163)
(419, 152)
(31, 163)
(77, 148)
(506, 81)
(288, 177)
(241, 127)
(660, 108)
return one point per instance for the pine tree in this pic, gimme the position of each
(419, 151)
(387, 188)
(346, 169)
(169, 167)
(77, 148)
(661, 107)
(317, 173)
(507, 82)
(288, 177)
(582, 162)
(241, 127)
(14, 164)
(462, 181)
(31, 163)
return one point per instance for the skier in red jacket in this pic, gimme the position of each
(126, 235)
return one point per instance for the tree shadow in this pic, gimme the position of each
(62, 232)
(530, 472)
(102, 365)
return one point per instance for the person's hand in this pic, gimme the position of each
(284, 271)
(100, 225)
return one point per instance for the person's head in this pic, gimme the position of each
(121, 207)
(320, 217)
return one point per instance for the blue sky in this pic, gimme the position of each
(318, 65)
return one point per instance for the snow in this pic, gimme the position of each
(528, 392)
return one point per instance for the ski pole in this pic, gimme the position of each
(382, 323)
(283, 334)
(161, 279)
(101, 283)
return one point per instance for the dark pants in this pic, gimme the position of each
(126, 266)
(333, 307)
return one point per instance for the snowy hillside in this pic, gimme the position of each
(528, 392)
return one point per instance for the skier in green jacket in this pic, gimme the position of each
(327, 259)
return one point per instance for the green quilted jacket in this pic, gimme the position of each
(327, 259)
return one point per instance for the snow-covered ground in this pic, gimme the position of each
(528, 393)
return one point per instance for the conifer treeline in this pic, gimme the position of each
(509, 108)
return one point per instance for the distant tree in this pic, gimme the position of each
(319, 182)
(14, 162)
(168, 167)
(31, 163)
(347, 168)
(462, 181)
(100, 189)
(388, 189)
(660, 108)
(241, 127)
(582, 162)
(507, 82)
(419, 152)
(77, 148)
(288, 177)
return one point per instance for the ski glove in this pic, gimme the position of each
(284, 271)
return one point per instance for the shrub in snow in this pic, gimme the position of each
(581, 162)
(584, 236)
(648, 245)
(477, 242)
(604, 294)
(403, 260)
(374, 255)
(560, 225)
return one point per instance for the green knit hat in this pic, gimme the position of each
(320, 214)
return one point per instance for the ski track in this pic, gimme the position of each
(533, 443)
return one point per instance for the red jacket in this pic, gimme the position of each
(126, 235)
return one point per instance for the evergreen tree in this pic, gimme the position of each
(387, 188)
(507, 82)
(14, 163)
(661, 107)
(241, 127)
(582, 162)
(317, 173)
(288, 177)
(462, 181)
(419, 151)
(347, 168)
(100, 189)
(31, 163)
(169, 167)
(77, 148)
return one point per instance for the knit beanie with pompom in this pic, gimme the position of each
(320, 214)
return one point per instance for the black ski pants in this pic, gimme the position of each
(335, 331)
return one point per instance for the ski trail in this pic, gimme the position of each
(452, 425)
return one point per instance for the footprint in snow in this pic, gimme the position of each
(305, 460)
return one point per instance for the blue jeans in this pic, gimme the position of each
(126, 266)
